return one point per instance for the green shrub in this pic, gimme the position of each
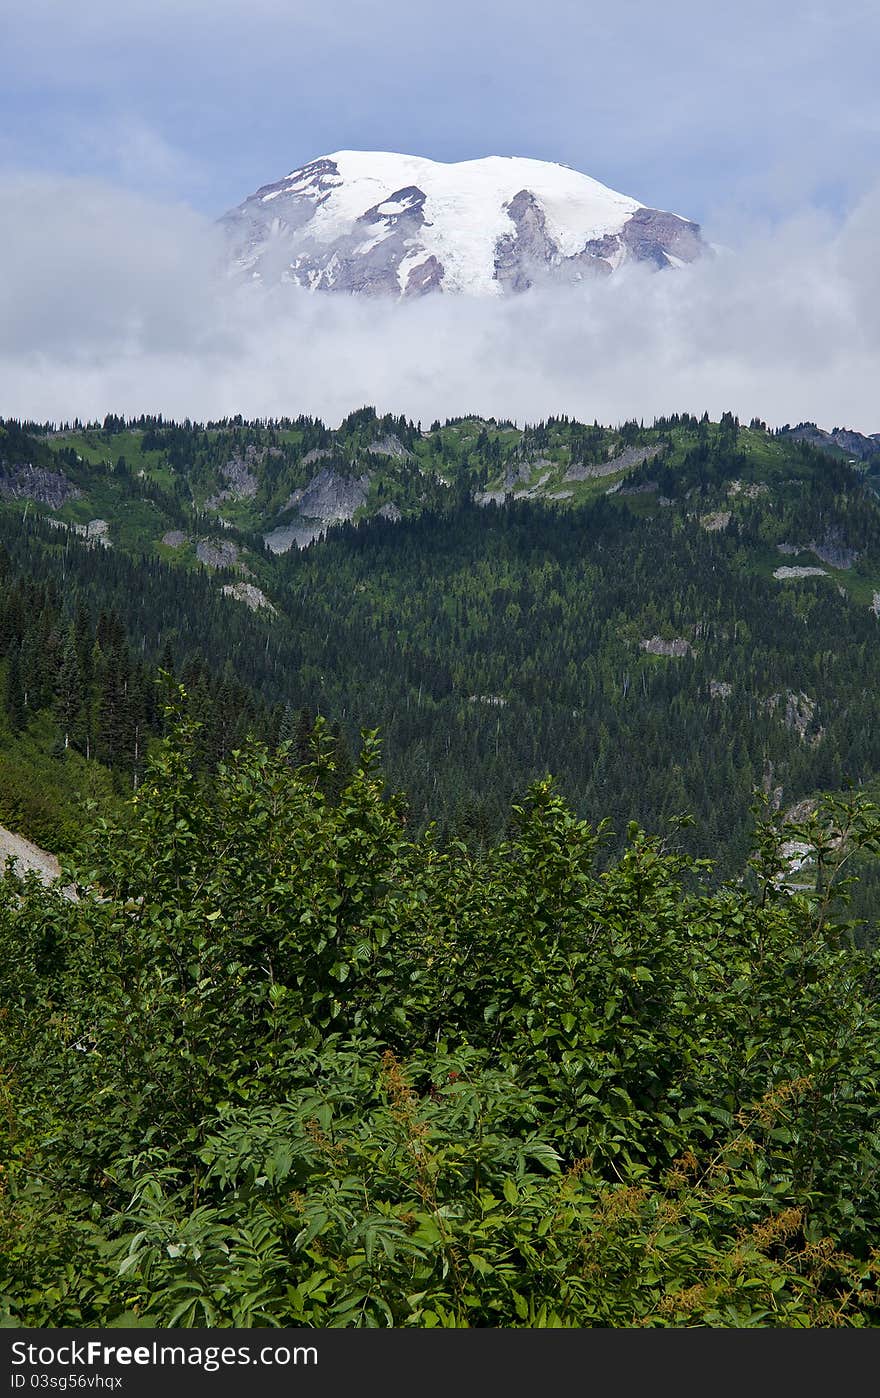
(283, 1065)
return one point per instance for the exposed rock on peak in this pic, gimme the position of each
(856, 445)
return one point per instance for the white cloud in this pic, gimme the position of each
(111, 302)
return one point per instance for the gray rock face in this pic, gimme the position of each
(652, 235)
(390, 445)
(217, 553)
(625, 461)
(28, 858)
(35, 483)
(530, 255)
(238, 472)
(835, 552)
(832, 550)
(299, 534)
(424, 276)
(363, 260)
(519, 472)
(97, 531)
(518, 255)
(329, 498)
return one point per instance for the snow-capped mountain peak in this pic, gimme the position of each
(373, 222)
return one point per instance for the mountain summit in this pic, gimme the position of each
(373, 223)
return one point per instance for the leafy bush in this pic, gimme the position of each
(283, 1064)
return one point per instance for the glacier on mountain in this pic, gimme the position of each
(376, 223)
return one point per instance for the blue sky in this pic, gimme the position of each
(128, 126)
(719, 112)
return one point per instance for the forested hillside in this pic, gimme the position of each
(668, 618)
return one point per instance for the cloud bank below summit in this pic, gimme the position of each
(111, 302)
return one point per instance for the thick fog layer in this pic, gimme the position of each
(112, 302)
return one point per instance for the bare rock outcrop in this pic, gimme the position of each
(856, 445)
(28, 857)
(35, 483)
(238, 472)
(655, 645)
(520, 470)
(790, 574)
(529, 254)
(217, 553)
(390, 445)
(624, 461)
(96, 532)
(832, 549)
(715, 521)
(750, 490)
(246, 592)
(330, 496)
(797, 711)
(298, 534)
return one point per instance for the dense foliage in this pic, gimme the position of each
(289, 1062)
